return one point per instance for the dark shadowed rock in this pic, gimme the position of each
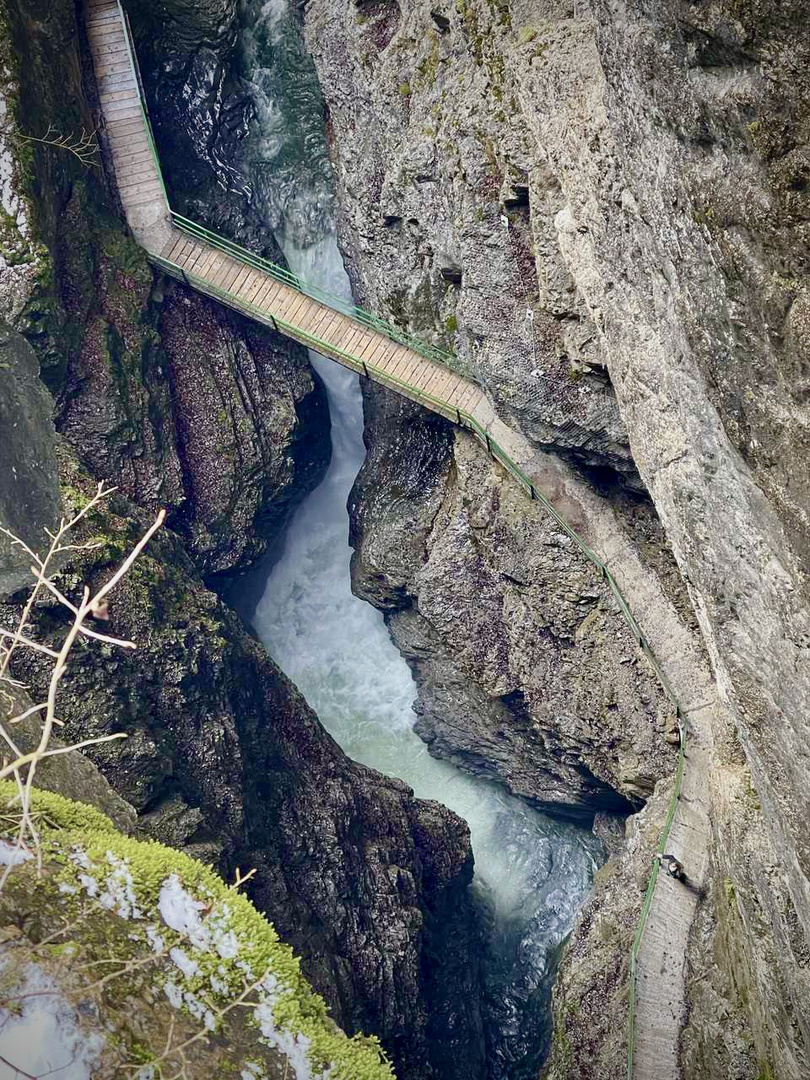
(526, 671)
(29, 483)
(225, 758)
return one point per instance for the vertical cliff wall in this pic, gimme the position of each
(604, 207)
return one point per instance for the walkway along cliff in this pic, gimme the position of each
(380, 352)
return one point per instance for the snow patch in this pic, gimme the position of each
(188, 966)
(12, 855)
(119, 893)
(155, 939)
(181, 912)
(45, 1037)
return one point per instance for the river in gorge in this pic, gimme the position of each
(532, 872)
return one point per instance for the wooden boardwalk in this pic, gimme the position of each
(209, 270)
(661, 991)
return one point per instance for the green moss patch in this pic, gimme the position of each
(213, 951)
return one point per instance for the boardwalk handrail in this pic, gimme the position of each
(332, 300)
(444, 408)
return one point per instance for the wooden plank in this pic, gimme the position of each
(227, 269)
(172, 247)
(348, 340)
(312, 319)
(123, 112)
(256, 287)
(183, 253)
(145, 167)
(326, 324)
(134, 127)
(358, 342)
(105, 33)
(205, 263)
(143, 200)
(407, 370)
(234, 272)
(336, 330)
(440, 382)
(210, 259)
(402, 361)
(372, 355)
(106, 50)
(134, 158)
(295, 308)
(117, 110)
(104, 68)
(192, 255)
(239, 281)
(136, 184)
(269, 295)
(249, 284)
(122, 94)
(270, 289)
(101, 15)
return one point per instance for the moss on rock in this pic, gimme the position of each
(183, 936)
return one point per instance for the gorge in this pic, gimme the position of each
(598, 210)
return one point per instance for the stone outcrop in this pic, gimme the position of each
(526, 671)
(124, 957)
(29, 488)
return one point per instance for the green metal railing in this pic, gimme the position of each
(444, 408)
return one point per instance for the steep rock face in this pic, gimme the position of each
(661, 167)
(251, 424)
(224, 758)
(525, 669)
(83, 294)
(29, 485)
(447, 212)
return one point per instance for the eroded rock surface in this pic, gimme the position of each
(655, 158)
(29, 484)
(224, 757)
(526, 671)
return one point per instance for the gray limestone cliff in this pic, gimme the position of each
(526, 671)
(604, 207)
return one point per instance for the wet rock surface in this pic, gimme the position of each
(526, 671)
(224, 757)
(29, 486)
(252, 430)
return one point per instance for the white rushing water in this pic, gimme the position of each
(531, 871)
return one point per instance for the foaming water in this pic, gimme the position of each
(532, 873)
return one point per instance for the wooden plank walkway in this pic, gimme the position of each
(209, 270)
(660, 1010)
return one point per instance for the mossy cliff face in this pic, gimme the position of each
(224, 757)
(150, 963)
(655, 159)
(128, 395)
(526, 670)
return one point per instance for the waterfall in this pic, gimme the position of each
(532, 873)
